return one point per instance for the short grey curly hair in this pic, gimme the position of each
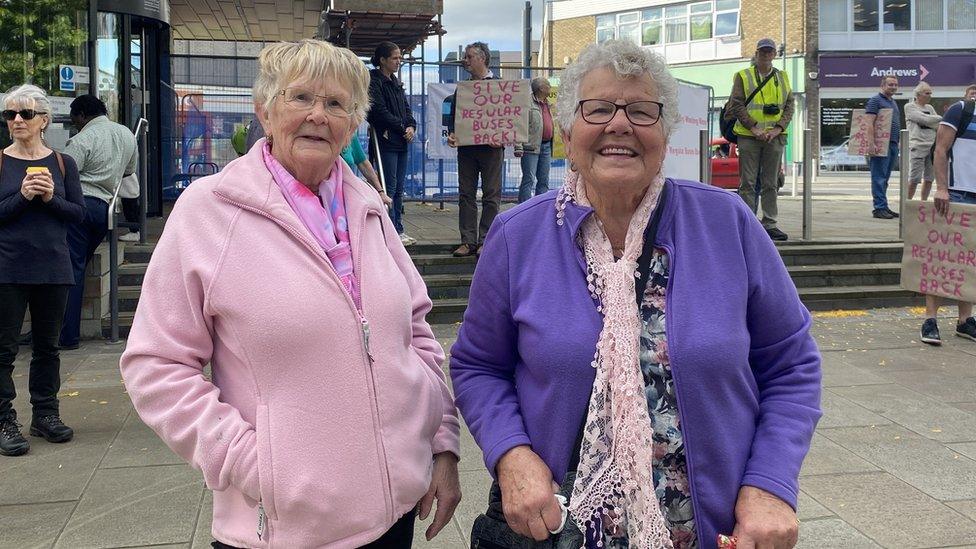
(283, 63)
(27, 96)
(625, 59)
(482, 49)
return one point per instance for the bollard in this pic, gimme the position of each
(904, 172)
(704, 162)
(807, 184)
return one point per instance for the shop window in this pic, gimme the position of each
(962, 14)
(676, 23)
(833, 15)
(651, 27)
(726, 18)
(897, 15)
(928, 14)
(700, 20)
(865, 15)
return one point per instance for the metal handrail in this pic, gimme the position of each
(113, 243)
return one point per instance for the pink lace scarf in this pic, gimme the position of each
(614, 486)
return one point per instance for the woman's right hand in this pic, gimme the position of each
(528, 493)
(27, 188)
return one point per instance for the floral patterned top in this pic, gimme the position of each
(670, 466)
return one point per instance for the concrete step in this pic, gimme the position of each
(833, 276)
(125, 323)
(840, 254)
(448, 286)
(137, 253)
(131, 274)
(437, 264)
(858, 297)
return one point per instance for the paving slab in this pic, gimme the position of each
(926, 465)
(202, 535)
(966, 507)
(808, 508)
(36, 525)
(474, 500)
(840, 412)
(832, 532)
(924, 415)
(955, 383)
(827, 457)
(889, 511)
(136, 506)
(839, 372)
(138, 446)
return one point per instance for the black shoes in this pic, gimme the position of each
(776, 234)
(12, 442)
(51, 428)
(883, 214)
(967, 329)
(891, 213)
(930, 332)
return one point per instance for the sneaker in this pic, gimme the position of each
(12, 442)
(51, 428)
(967, 329)
(881, 214)
(464, 250)
(891, 213)
(407, 240)
(130, 237)
(930, 332)
(776, 234)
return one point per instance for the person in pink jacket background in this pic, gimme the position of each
(325, 420)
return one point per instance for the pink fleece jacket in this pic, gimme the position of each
(306, 439)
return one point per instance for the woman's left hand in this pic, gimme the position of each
(409, 134)
(44, 186)
(446, 488)
(763, 521)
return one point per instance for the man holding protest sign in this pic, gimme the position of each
(473, 160)
(881, 161)
(955, 182)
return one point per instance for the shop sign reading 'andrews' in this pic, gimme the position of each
(867, 71)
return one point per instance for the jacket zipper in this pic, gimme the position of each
(674, 373)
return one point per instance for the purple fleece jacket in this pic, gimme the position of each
(746, 369)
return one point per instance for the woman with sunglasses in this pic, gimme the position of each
(326, 420)
(39, 196)
(635, 342)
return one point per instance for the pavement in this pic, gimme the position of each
(893, 461)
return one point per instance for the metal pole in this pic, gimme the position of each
(527, 40)
(440, 79)
(704, 162)
(113, 285)
(904, 171)
(423, 116)
(375, 142)
(808, 184)
(143, 181)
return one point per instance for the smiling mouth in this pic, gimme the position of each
(313, 137)
(618, 151)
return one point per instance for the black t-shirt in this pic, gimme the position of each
(33, 248)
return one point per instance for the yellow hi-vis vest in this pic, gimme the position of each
(774, 92)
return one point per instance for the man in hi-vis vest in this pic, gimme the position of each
(762, 103)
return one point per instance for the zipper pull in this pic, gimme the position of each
(262, 519)
(369, 354)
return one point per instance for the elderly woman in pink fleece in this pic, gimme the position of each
(326, 420)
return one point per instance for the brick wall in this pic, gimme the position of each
(763, 19)
(569, 37)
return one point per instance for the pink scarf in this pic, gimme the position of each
(323, 215)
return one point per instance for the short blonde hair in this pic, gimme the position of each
(284, 62)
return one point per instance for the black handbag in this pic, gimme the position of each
(490, 529)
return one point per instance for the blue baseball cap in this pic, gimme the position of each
(766, 43)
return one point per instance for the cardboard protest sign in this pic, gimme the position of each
(492, 112)
(940, 251)
(858, 144)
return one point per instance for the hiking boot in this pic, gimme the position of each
(967, 329)
(891, 213)
(930, 332)
(464, 250)
(776, 234)
(881, 214)
(51, 428)
(12, 442)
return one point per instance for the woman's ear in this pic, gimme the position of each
(261, 113)
(567, 142)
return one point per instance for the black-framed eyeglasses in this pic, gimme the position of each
(640, 113)
(303, 99)
(26, 114)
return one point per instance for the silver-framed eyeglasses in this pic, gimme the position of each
(304, 100)
(640, 113)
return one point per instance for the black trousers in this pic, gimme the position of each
(130, 209)
(46, 302)
(400, 536)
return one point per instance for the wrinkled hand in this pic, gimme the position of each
(27, 187)
(445, 488)
(409, 134)
(452, 140)
(773, 133)
(763, 521)
(42, 185)
(758, 133)
(528, 500)
(942, 201)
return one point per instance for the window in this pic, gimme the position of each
(651, 27)
(726, 18)
(866, 15)
(631, 17)
(928, 14)
(962, 15)
(897, 15)
(606, 28)
(676, 23)
(630, 31)
(833, 15)
(701, 20)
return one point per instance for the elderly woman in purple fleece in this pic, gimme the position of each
(671, 389)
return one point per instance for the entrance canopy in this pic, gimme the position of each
(357, 24)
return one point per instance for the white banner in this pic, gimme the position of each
(437, 111)
(682, 159)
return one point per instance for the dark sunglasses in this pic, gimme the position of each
(26, 114)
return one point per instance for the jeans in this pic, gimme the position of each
(880, 172)
(535, 172)
(394, 175)
(46, 303)
(962, 197)
(83, 238)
